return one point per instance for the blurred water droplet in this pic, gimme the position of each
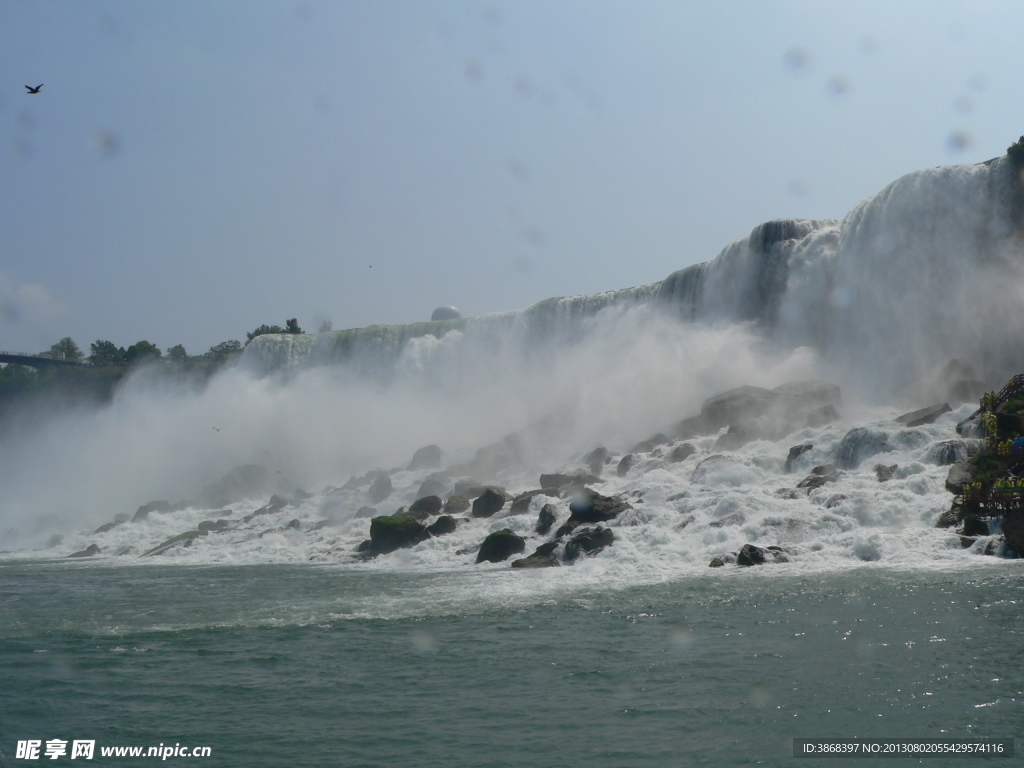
(977, 82)
(473, 71)
(963, 104)
(108, 144)
(681, 637)
(797, 188)
(423, 642)
(796, 59)
(837, 85)
(958, 141)
(760, 697)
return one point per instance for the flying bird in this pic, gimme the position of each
(34, 90)
(216, 429)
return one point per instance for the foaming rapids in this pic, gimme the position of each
(926, 271)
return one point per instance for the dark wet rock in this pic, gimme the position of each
(596, 459)
(276, 504)
(567, 527)
(293, 525)
(500, 546)
(364, 512)
(966, 542)
(736, 518)
(716, 562)
(546, 519)
(835, 500)
(432, 486)
(974, 526)
(521, 503)
(555, 480)
(625, 464)
(947, 452)
(379, 489)
(736, 437)
(923, 416)
(713, 464)
(488, 503)
(467, 550)
(213, 526)
(428, 506)
(1013, 530)
(681, 452)
(788, 493)
(826, 473)
(588, 541)
(648, 445)
(819, 417)
(971, 426)
(365, 546)
(591, 507)
(737, 405)
(355, 483)
(959, 475)
(751, 555)
(884, 473)
(245, 482)
(443, 525)
(89, 551)
(154, 506)
(427, 457)
(106, 527)
(320, 525)
(543, 557)
(456, 504)
(391, 532)
(693, 426)
(778, 555)
(794, 453)
(948, 519)
(184, 539)
(471, 488)
(858, 444)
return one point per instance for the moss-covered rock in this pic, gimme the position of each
(588, 542)
(182, 538)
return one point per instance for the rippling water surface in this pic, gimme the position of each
(286, 665)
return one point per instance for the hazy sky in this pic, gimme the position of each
(191, 170)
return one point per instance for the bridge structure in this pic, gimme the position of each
(36, 361)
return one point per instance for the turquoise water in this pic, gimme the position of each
(325, 666)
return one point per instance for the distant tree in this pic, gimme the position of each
(326, 326)
(221, 353)
(1016, 152)
(65, 349)
(263, 329)
(292, 326)
(177, 354)
(105, 353)
(140, 352)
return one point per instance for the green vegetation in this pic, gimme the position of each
(290, 326)
(1016, 152)
(65, 349)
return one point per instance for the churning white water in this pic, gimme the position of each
(878, 303)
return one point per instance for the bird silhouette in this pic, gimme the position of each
(216, 429)
(34, 90)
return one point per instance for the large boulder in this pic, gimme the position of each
(959, 475)
(595, 460)
(1013, 530)
(500, 546)
(751, 555)
(432, 486)
(923, 416)
(591, 507)
(427, 457)
(89, 551)
(624, 465)
(737, 405)
(737, 436)
(443, 525)
(153, 506)
(588, 541)
(456, 504)
(858, 444)
(391, 532)
(543, 557)
(379, 489)
(546, 519)
(948, 452)
(428, 506)
(794, 453)
(487, 503)
(521, 503)
(681, 452)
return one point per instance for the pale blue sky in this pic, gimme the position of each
(191, 170)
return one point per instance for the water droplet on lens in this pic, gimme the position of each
(681, 637)
(958, 141)
(796, 59)
(837, 85)
(423, 642)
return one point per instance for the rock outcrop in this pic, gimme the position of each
(500, 546)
